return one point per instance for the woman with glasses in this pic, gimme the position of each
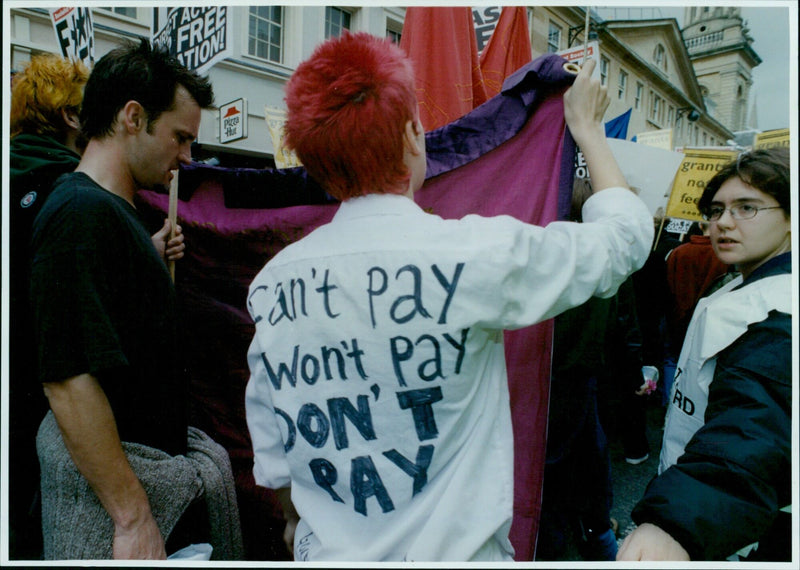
(724, 485)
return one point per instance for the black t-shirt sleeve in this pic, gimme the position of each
(74, 257)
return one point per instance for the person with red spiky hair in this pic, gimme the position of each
(378, 404)
(353, 99)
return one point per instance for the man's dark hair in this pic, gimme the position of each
(139, 73)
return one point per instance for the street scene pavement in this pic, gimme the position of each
(629, 481)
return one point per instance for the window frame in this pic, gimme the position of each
(660, 57)
(281, 46)
(327, 33)
(605, 65)
(637, 101)
(111, 12)
(559, 30)
(622, 84)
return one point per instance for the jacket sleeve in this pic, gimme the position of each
(529, 273)
(735, 475)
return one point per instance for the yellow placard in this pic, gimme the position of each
(771, 139)
(284, 158)
(658, 139)
(697, 168)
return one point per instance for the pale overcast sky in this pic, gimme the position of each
(769, 26)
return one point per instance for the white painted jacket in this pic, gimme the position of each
(378, 385)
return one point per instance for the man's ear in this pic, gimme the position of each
(410, 136)
(70, 118)
(134, 117)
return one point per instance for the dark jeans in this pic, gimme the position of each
(577, 491)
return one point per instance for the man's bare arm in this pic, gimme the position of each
(90, 434)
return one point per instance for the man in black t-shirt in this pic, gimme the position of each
(104, 307)
(45, 143)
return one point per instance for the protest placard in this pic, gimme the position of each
(74, 33)
(575, 55)
(697, 168)
(198, 36)
(771, 139)
(276, 118)
(658, 139)
(649, 171)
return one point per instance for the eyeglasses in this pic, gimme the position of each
(741, 212)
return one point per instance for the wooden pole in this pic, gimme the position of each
(586, 38)
(172, 216)
(658, 235)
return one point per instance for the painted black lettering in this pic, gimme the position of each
(372, 292)
(365, 483)
(449, 287)
(435, 362)
(290, 429)
(326, 289)
(418, 470)
(421, 404)
(311, 375)
(361, 418)
(460, 347)
(399, 355)
(325, 476)
(415, 297)
(313, 425)
(283, 370)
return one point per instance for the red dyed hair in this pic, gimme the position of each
(348, 106)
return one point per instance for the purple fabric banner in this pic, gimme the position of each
(512, 155)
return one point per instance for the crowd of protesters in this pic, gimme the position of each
(107, 395)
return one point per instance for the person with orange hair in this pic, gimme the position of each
(45, 143)
(378, 403)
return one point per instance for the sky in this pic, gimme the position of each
(769, 25)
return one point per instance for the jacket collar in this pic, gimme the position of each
(376, 205)
(777, 265)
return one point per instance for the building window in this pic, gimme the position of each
(127, 12)
(637, 103)
(603, 71)
(554, 38)
(670, 115)
(394, 29)
(265, 33)
(660, 57)
(705, 138)
(655, 103)
(336, 20)
(622, 85)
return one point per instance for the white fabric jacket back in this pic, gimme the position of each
(378, 383)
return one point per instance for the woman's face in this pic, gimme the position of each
(748, 243)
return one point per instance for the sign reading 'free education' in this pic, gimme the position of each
(198, 36)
